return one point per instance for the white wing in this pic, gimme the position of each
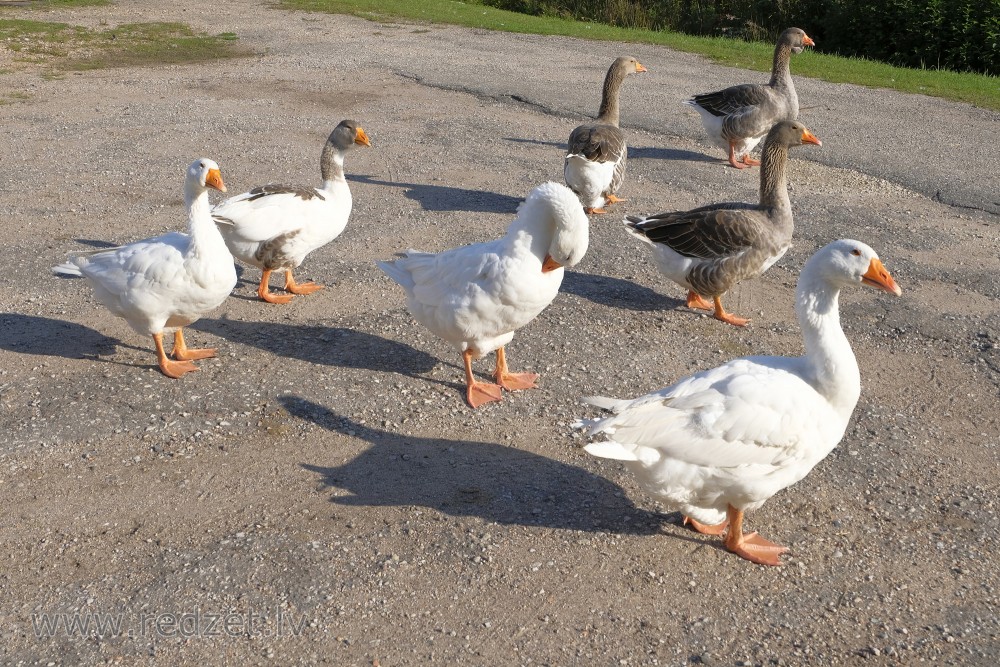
(749, 411)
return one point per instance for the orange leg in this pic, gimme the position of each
(753, 547)
(264, 290)
(512, 381)
(169, 367)
(477, 393)
(611, 199)
(182, 353)
(696, 301)
(729, 318)
(594, 211)
(747, 160)
(705, 529)
(732, 157)
(299, 288)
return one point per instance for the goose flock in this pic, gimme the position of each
(713, 445)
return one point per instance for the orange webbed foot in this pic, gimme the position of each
(594, 211)
(706, 529)
(612, 199)
(480, 393)
(300, 288)
(695, 300)
(176, 369)
(721, 315)
(517, 381)
(192, 354)
(756, 549)
(752, 162)
(266, 295)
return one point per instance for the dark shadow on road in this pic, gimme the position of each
(29, 334)
(616, 292)
(330, 346)
(480, 479)
(447, 198)
(520, 140)
(657, 153)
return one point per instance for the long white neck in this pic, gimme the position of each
(331, 166)
(534, 226)
(205, 236)
(829, 358)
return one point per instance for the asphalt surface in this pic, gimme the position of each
(322, 484)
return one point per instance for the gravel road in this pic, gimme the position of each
(320, 493)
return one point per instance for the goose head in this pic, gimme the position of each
(555, 206)
(348, 134)
(628, 65)
(203, 174)
(849, 263)
(791, 133)
(796, 39)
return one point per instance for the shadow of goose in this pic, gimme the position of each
(657, 153)
(473, 479)
(29, 334)
(447, 198)
(616, 292)
(520, 140)
(330, 346)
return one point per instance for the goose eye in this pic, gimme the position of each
(856, 252)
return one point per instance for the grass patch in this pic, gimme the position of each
(62, 47)
(52, 4)
(977, 89)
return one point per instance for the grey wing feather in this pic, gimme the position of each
(710, 232)
(598, 143)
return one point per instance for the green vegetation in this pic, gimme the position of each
(977, 89)
(960, 35)
(62, 47)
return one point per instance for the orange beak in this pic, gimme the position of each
(807, 40)
(362, 138)
(639, 67)
(810, 138)
(877, 276)
(213, 179)
(550, 264)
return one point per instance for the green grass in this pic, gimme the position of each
(62, 47)
(980, 90)
(55, 4)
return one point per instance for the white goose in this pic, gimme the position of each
(170, 281)
(723, 441)
(476, 296)
(274, 227)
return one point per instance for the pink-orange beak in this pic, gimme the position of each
(213, 179)
(639, 67)
(550, 264)
(810, 138)
(362, 138)
(877, 276)
(807, 40)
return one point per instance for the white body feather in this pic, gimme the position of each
(477, 296)
(165, 282)
(738, 434)
(293, 226)
(588, 178)
(713, 127)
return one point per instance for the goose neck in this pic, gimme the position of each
(781, 75)
(331, 163)
(773, 182)
(204, 234)
(608, 112)
(831, 362)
